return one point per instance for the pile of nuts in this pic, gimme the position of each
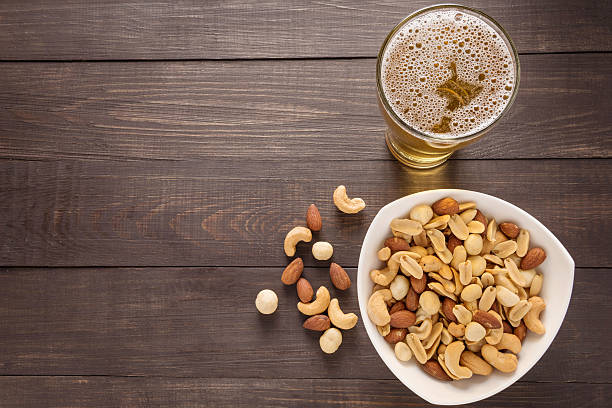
(331, 339)
(467, 293)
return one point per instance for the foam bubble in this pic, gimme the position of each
(416, 62)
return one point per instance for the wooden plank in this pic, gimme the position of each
(236, 213)
(201, 322)
(111, 29)
(101, 392)
(255, 109)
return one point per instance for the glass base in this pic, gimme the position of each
(414, 158)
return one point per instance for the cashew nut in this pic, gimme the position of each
(475, 363)
(432, 349)
(532, 318)
(509, 342)
(344, 321)
(377, 308)
(266, 301)
(423, 331)
(504, 362)
(384, 330)
(345, 204)
(452, 354)
(294, 236)
(445, 368)
(456, 330)
(330, 340)
(383, 277)
(402, 351)
(318, 305)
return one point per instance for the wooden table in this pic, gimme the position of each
(153, 156)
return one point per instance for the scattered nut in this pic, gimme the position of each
(293, 271)
(339, 277)
(294, 236)
(345, 204)
(313, 218)
(322, 250)
(344, 321)
(304, 290)
(319, 305)
(330, 340)
(266, 301)
(317, 323)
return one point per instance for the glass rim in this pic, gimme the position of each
(399, 121)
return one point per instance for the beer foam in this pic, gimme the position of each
(417, 61)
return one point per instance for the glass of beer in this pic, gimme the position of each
(445, 76)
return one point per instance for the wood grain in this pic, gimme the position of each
(234, 213)
(315, 109)
(111, 29)
(202, 322)
(99, 392)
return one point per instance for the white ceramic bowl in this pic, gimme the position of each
(557, 269)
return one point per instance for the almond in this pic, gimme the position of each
(304, 290)
(339, 277)
(533, 258)
(481, 218)
(445, 206)
(402, 319)
(447, 309)
(317, 323)
(313, 218)
(509, 229)
(487, 320)
(418, 284)
(396, 335)
(397, 307)
(521, 331)
(293, 271)
(453, 242)
(507, 327)
(412, 300)
(434, 369)
(396, 244)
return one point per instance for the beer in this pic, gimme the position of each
(445, 75)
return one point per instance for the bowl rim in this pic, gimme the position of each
(371, 330)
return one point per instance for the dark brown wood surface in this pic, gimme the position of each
(239, 29)
(321, 109)
(153, 156)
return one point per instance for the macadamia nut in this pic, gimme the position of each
(322, 250)
(266, 301)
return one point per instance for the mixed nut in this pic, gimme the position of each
(467, 292)
(331, 338)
